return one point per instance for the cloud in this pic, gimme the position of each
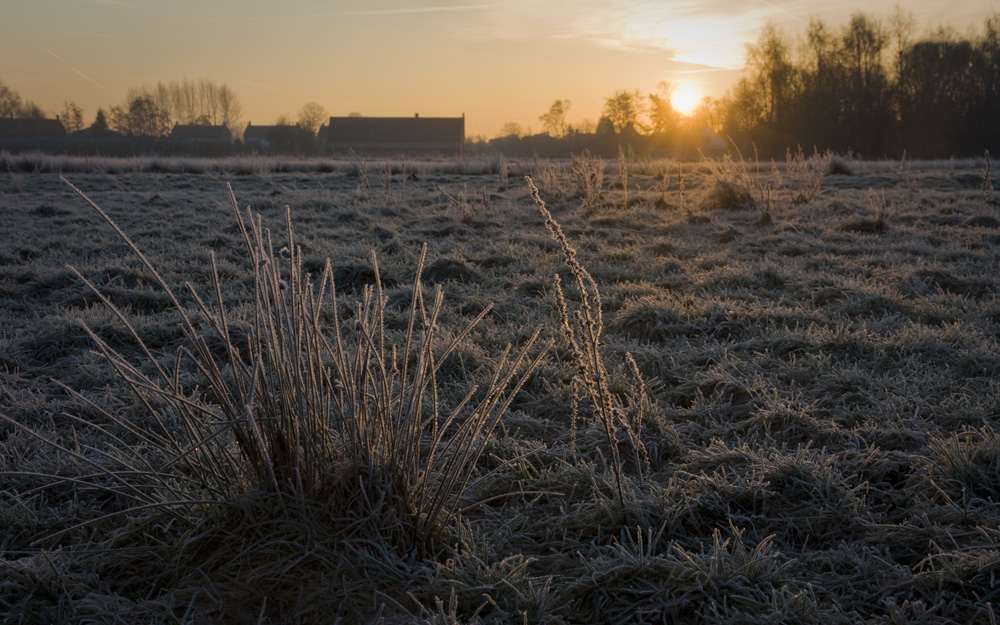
(709, 32)
(120, 3)
(704, 32)
(291, 16)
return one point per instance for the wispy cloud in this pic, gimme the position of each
(291, 16)
(120, 3)
(704, 32)
(785, 12)
(67, 64)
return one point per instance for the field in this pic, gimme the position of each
(776, 402)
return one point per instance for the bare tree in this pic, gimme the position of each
(199, 102)
(623, 107)
(662, 116)
(230, 110)
(555, 120)
(511, 129)
(71, 117)
(312, 115)
(31, 110)
(143, 118)
(770, 65)
(10, 101)
(709, 112)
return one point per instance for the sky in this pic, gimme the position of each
(495, 61)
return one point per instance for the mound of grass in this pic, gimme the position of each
(728, 195)
(291, 448)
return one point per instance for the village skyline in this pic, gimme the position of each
(497, 64)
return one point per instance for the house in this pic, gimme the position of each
(30, 128)
(28, 135)
(280, 139)
(258, 136)
(192, 134)
(396, 134)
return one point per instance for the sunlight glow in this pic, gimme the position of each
(685, 99)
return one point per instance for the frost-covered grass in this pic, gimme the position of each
(800, 418)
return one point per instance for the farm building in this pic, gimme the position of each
(201, 134)
(25, 135)
(396, 134)
(10, 127)
(258, 136)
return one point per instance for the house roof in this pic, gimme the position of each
(433, 133)
(10, 127)
(257, 132)
(219, 134)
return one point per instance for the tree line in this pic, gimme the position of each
(152, 111)
(871, 86)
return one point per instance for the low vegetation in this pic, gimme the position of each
(458, 396)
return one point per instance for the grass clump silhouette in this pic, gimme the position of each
(332, 434)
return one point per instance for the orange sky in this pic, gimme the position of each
(495, 61)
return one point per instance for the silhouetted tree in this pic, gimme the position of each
(71, 117)
(770, 66)
(866, 102)
(142, 118)
(986, 78)
(100, 125)
(622, 107)
(198, 102)
(869, 88)
(10, 101)
(312, 115)
(605, 126)
(709, 112)
(662, 116)
(31, 110)
(511, 129)
(554, 122)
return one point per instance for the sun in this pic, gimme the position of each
(685, 99)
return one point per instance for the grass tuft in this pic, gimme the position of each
(582, 328)
(337, 432)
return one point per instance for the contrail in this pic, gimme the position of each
(86, 77)
(780, 10)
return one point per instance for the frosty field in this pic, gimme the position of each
(813, 435)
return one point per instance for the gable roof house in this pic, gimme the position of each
(201, 134)
(18, 135)
(11, 127)
(258, 136)
(396, 134)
